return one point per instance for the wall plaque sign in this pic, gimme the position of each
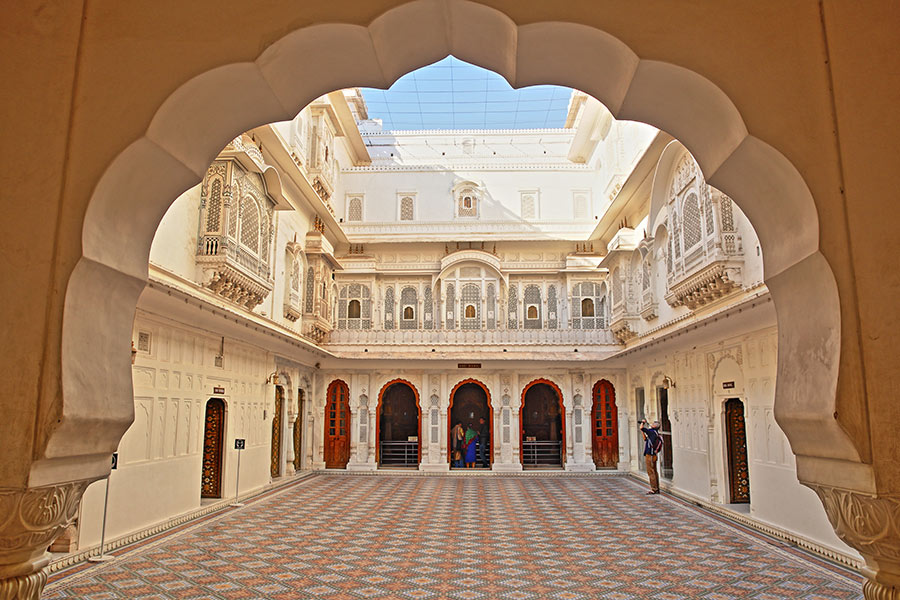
(218, 390)
(468, 365)
(727, 385)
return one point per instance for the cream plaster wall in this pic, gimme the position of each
(158, 475)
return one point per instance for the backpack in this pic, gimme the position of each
(658, 444)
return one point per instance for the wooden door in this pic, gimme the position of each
(605, 430)
(213, 442)
(337, 426)
(275, 466)
(736, 439)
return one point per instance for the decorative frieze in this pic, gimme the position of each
(231, 284)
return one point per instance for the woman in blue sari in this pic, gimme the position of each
(470, 446)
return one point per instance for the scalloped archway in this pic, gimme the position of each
(198, 118)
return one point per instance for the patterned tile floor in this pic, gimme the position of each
(342, 537)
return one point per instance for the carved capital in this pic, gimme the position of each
(30, 520)
(871, 524)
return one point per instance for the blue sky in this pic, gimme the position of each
(452, 94)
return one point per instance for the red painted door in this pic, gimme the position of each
(337, 426)
(605, 429)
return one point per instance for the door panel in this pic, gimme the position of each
(337, 426)
(605, 430)
(736, 438)
(213, 440)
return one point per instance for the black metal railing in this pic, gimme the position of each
(399, 454)
(541, 454)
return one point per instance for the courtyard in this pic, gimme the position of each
(385, 536)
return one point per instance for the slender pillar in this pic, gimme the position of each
(30, 520)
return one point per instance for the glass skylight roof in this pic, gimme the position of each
(452, 94)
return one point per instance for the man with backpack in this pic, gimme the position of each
(653, 443)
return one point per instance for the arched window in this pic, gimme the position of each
(512, 321)
(407, 208)
(533, 307)
(310, 289)
(587, 307)
(354, 309)
(471, 306)
(409, 297)
(552, 316)
(693, 232)
(354, 209)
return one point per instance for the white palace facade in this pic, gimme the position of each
(339, 296)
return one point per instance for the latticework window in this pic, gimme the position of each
(532, 298)
(428, 309)
(693, 231)
(408, 300)
(250, 224)
(552, 315)
(214, 207)
(470, 306)
(407, 205)
(295, 274)
(491, 307)
(355, 209)
(450, 305)
(354, 307)
(389, 308)
(587, 298)
(528, 206)
(727, 215)
(468, 203)
(708, 211)
(602, 320)
(618, 287)
(512, 305)
(310, 289)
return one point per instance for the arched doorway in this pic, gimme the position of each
(275, 466)
(213, 446)
(470, 402)
(736, 447)
(337, 425)
(398, 421)
(605, 426)
(542, 419)
(298, 431)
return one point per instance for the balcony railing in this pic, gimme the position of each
(452, 337)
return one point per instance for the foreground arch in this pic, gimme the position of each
(829, 433)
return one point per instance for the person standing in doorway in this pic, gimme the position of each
(458, 436)
(469, 445)
(484, 439)
(652, 446)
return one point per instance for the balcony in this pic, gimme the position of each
(419, 343)
(232, 272)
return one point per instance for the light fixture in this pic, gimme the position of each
(272, 378)
(668, 382)
(133, 352)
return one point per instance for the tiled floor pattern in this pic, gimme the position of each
(341, 537)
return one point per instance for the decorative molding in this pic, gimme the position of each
(31, 519)
(869, 523)
(711, 283)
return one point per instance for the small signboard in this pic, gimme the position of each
(468, 365)
(218, 390)
(239, 443)
(115, 461)
(727, 385)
